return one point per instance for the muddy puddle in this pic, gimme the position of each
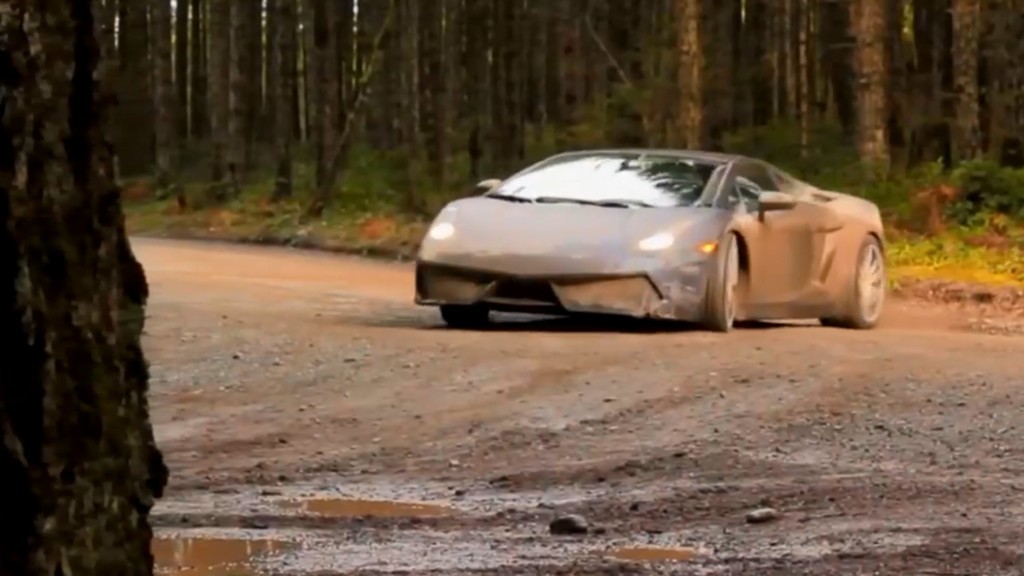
(354, 508)
(213, 556)
(652, 554)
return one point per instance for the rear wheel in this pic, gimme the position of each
(463, 316)
(862, 304)
(720, 299)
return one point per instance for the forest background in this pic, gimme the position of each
(344, 125)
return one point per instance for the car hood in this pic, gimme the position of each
(485, 226)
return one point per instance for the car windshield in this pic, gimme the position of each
(612, 179)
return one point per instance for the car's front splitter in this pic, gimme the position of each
(675, 293)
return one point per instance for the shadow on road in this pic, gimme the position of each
(521, 323)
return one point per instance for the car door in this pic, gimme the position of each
(785, 247)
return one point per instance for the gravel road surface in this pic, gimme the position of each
(316, 422)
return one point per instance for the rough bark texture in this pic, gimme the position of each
(870, 25)
(78, 461)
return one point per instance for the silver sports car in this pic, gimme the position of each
(679, 235)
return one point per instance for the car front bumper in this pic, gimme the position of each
(674, 292)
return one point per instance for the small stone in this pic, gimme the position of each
(762, 515)
(237, 355)
(568, 525)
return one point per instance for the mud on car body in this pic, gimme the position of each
(678, 235)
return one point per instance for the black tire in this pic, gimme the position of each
(720, 299)
(860, 310)
(463, 316)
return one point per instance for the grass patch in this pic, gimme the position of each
(954, 256)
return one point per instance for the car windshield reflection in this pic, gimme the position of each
(613, 180)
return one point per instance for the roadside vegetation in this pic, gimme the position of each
(961, 224)
(317, 123)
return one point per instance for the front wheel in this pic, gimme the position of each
(720, 299)
(862, 304)
(463, 316)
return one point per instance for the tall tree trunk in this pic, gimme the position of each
(434, 85)
(966, 51)
(690, 79)
(254, 129)
(239, 96)
(199, 114)
(323, 83)
(758, 61)
(345, 57)
(181, 43)
(837, 41)
(1003, 69)
(79, 464)
(134, 137)
(478, 97)
(411, 99)
(272, 77)
(283, 60)
(219, 38)
(870, 22)
(163, 91)
(804, 68)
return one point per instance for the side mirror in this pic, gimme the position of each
(774, 202)
(485, 186)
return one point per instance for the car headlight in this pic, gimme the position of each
(441, 231)
(659, 241)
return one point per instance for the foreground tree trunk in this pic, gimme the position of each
(78, 461)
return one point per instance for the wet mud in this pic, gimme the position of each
(346, 507)
(190, 555)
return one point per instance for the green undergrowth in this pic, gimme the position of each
(958, 225)
(959, 254)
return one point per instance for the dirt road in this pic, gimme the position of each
(303, 402)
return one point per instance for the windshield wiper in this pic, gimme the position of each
(559, 199)
(624, 203)
(613, 203)
(509, 198)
